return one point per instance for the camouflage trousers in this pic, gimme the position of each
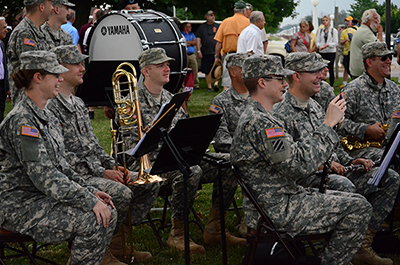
(335, 182)
(121, 196)
(229, 183)
(174, 181)
(66, 223)
(344, 214)
(368, 153)
(381, 198)
(144, 197)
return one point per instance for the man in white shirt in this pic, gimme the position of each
(250, 38)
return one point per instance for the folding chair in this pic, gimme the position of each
(7, 237)
(164, 193)
(267, 233)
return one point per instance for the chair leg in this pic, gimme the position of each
(27, 253)
(236, 208)
(196, 220)
(155, 230)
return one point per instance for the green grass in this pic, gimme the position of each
(143, 236)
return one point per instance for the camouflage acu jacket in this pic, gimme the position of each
(79, 138)
(325, 95)
(271, 162)
(231, 104)
(56, 38)
(367, 103)
(33, 167)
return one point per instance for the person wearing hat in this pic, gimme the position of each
(128, 5)
(206, 46)
(271, 163)
(227, 37)
(40, 195)
(366, 33)
(88, 158)
(154, 66)
(27, 36)
(326, 93)
(298, 108)
(56, 36)
(371, 99)
(345, 39)
(300, 114)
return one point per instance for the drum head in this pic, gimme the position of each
(121, 37)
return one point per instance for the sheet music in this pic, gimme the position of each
(132, 151)
(385, 163)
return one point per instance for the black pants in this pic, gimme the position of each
(331, 58)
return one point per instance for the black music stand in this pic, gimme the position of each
(184, 146)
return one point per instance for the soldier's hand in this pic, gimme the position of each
(114, 175)
(368, 163)
(105, 198)
(103, 214)
(109, 112)
(338, 168)
(335, 111)
(375, 131)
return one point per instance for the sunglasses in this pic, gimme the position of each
(317, 72)
(384, 57)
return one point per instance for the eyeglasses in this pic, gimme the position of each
(280, 78)
(317, 72)
(384, 57)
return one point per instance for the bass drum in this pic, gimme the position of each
(121, 36)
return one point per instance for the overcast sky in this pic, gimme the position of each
(325, 7)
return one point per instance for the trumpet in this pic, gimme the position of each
(129, 115)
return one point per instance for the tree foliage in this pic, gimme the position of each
(274, 10)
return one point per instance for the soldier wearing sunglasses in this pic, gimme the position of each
(371, 100)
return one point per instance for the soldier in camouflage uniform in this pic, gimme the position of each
(371, 100)
(85, 153)
(41, 196)
(271, 163)
(55, 35)
(300, 115)
(154, 64)
(326, 94)
(27, 36)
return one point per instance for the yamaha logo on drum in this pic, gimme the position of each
(115, 30)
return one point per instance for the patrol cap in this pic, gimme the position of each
(41, 60)
(210, 12)
(303, 62)
(240, 4)
(153, 56)
(319, 58)
(68, 54)
(263, 65)
(63, 2)
(376, 48)
(236, 59)
(349, 18)
(32, 2)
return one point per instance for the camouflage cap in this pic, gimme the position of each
(236, 59)
(240, 4)
(372, 49)
(303, 62)
(153, 56)
(32, 2)
(63, 2)
(68, 54)
(263, 65)
(41, 60)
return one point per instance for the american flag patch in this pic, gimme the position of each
(29, 42)
(343, 95)
(396, 115)
(30, 131)
(274, 132)
(214, 108)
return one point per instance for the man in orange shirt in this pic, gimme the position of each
(227, 37)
